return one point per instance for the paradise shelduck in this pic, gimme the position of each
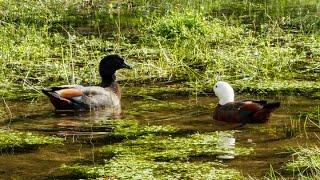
(81, 98)
(243, 112)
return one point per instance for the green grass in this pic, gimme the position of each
(34, 58)
(256, 46)
(234, 53)
(312, 115)
(17, 141)
(306, 163)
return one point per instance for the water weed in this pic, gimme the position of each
(14, 140)
(131, 129)
(164, 157)
(136, 168)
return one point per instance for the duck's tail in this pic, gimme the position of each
(272, 106)
(262, 116)
(59, 102)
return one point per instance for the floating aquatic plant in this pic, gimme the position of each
(167, 148)
(128, 167)
(163, 157)
(23, 140)
(131, 128)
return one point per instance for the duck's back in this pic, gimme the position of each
(246, 111)
(83, 98)
(235, 112)
(96, 96)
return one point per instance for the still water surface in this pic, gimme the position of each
(85, 132)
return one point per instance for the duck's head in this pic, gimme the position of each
(224, 92)
(110, 64)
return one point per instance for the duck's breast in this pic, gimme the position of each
(227, 112)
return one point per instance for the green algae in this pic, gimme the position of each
(10, 140)
(167, 148)
(162, 157)
(136, 168)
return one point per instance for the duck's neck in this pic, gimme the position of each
(226, 99)
(107, 81)
(110, 82)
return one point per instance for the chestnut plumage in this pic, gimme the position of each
(243, 112)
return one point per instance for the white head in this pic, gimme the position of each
(224, 92)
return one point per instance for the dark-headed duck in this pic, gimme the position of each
(245, 111)
(81, 98)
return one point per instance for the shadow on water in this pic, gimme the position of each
(86, 131)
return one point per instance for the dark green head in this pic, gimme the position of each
(109, 65)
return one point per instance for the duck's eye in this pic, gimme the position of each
(216, 86)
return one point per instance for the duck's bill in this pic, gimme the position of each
(126, 66)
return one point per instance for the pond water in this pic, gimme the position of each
(85, 132)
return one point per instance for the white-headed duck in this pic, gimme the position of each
(243, 112)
